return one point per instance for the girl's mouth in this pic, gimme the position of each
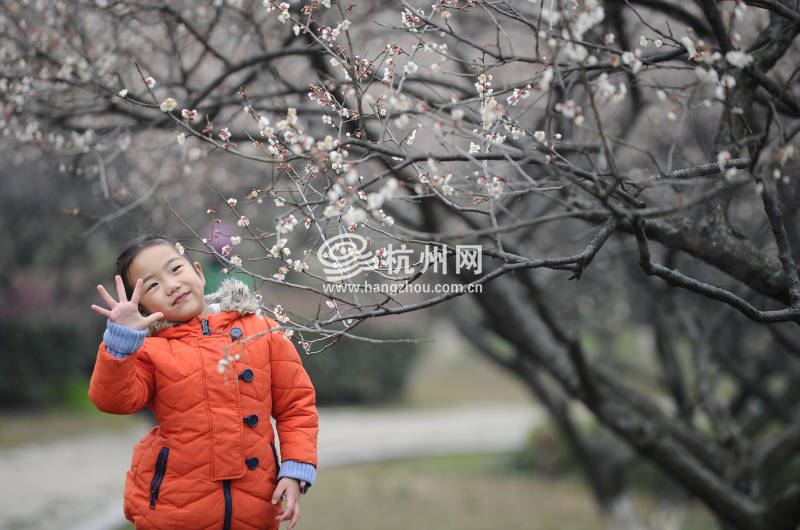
(180, 299)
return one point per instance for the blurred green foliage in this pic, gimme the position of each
(42, 359)
(361, 373)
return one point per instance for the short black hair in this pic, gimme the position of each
(136, 246)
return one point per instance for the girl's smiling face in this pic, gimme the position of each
(170, 283)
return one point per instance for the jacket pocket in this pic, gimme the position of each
(275, 456)
(158, 476)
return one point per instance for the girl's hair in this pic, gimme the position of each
(140, 243)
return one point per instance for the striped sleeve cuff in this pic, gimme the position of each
(121, 341)
(298, 470)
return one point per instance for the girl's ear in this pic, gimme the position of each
(199, 270)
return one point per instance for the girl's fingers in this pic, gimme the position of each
(152, 318)
(105, 312)
(277, 494)
(121, 289)
(295, 517)
(136, 292)
(107, 297)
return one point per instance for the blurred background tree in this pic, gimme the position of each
(629, 170)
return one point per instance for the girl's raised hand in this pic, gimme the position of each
(125, 312)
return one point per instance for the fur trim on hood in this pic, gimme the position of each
(232, 295)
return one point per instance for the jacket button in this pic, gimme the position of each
(251, 420)
(246, 376)
(251, 462)
(236, 333)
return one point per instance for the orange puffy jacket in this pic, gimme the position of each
(212, 461)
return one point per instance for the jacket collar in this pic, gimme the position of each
(232, 300)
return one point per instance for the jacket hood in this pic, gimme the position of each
(232, 295)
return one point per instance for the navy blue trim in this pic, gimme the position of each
(158, 476)
(226, 491)
(204, 325)
(275, 456)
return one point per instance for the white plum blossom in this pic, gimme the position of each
(689, 45)
(286, 224)
(738, 58)
(123, 93)
(707, 76)
(491, 112)
(551, 16)
(189, 115)
(332, 210)
(181, 138)
(224, 134)
(723, 157)
(280, 316)
(631, 60)
(236, 240)
(374, 200)
(587, 18)
(354, 215)
(168, 105)
(546, 80)
(243, 221)
(484, 85)
(411, 67)
(518, 94)
(236, 260)
(232, 201)
(150, 82)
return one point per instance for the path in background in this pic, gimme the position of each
(77, 482)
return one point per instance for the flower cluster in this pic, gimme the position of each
(189, 115)
(572, 110)
(286, 224)
(411, 20)
(518, 94)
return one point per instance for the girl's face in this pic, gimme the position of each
(170, 283)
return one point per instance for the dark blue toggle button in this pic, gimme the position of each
(251, 420)
(251, 462)
(236, 333)
(246, 376)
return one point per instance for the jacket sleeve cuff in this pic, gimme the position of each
(298, 470)
(121, 341)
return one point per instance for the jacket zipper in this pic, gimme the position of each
(226, 491)
(204, 325)
(275, 456)
(158, 476)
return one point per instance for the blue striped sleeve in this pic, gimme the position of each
(298, 470)
(121, 341)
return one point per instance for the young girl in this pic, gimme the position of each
(211, 462)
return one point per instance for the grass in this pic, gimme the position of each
(18, 428)
(458, 493)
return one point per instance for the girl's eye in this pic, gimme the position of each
(175, 269)
(152, 285)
